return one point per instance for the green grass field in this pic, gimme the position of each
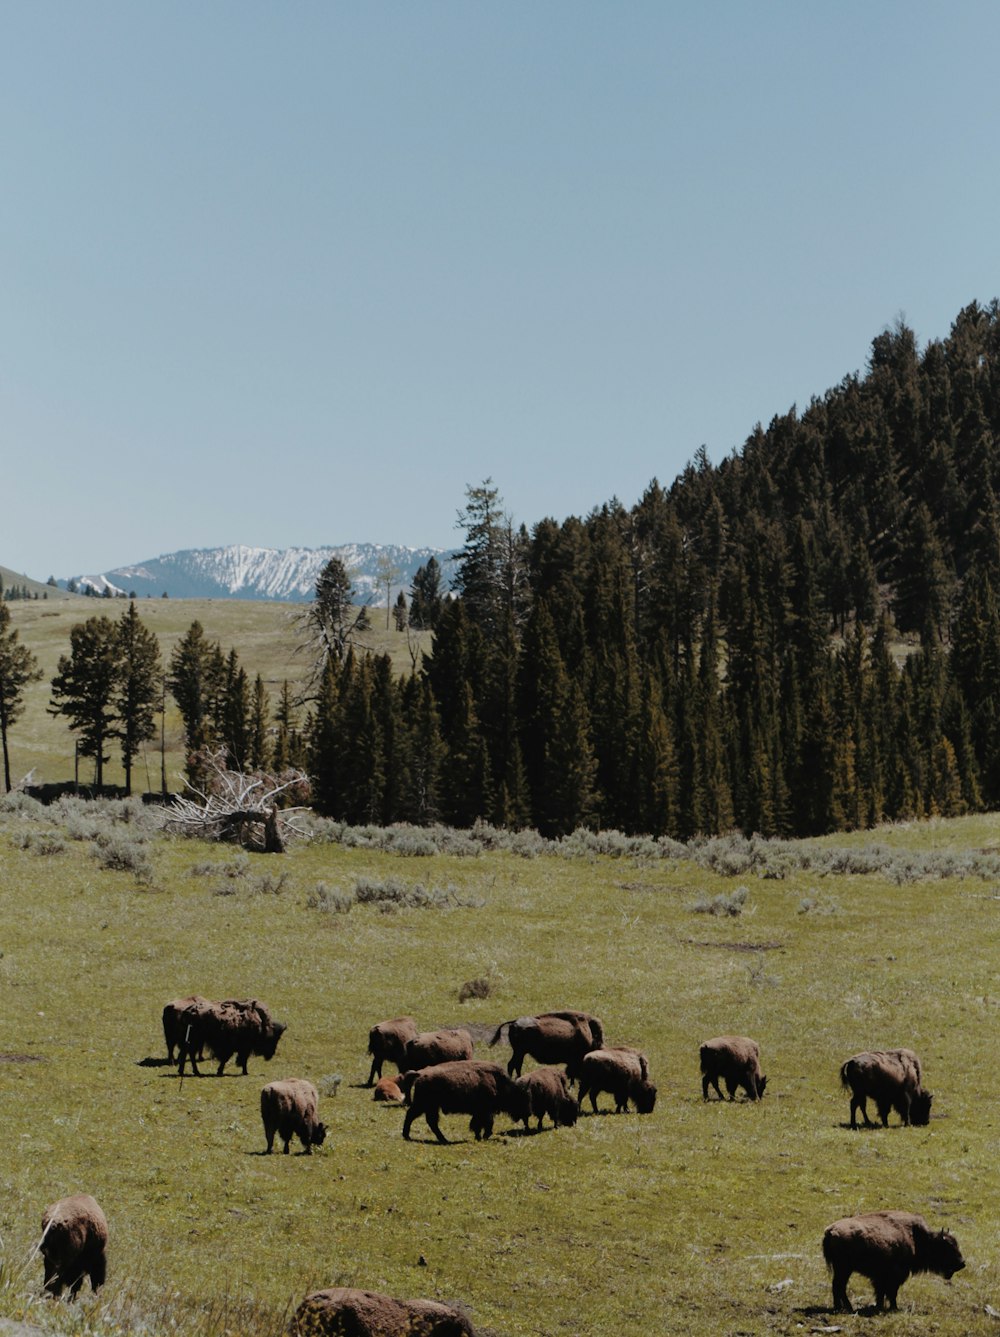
(700, 1218)
(265, 636)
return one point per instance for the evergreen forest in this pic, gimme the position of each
(800, 640)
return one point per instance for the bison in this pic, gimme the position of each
(387, 1042)
(551, 1037)
(289, 1108)
(622, 1071)
(74, 1239)
(886, 1247)
(432, 1047)
(736, 1059)
(466, 1086)
(388, 1090)
(345, 1312)
(548, 1093)
(228, 1028)
(892, 1078)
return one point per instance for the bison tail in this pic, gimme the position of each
(828, 1248)
(498, 1032)
(845, 1079)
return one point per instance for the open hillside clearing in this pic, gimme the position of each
(699, 1218)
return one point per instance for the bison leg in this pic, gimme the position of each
(860, 1103)
(98, 1271)
(411, 1114)
(883, 1114)
(187, 1053)
(53, 1281)
(376, 1072)
(432, 1123)
(516, 1064)
(840, 1301)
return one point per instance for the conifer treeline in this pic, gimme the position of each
(718, 655)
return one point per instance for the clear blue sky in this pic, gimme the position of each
(296, 274)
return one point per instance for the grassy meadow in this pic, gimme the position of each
(265, 636)
(702, 1218)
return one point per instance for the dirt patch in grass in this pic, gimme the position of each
(22, 1058)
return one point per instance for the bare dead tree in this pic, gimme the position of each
(237, 808)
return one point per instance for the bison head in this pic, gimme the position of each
(945, 1257)
(269, 1039)
(644, 1095)
(318, 1135)
(567, 1111)
(920, 1109)
(761, 1083)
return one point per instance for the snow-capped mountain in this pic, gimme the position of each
(239, 572)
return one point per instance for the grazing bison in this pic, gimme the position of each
(345, 1312)
(466, 1086)
(388, 1090)
(289, 1108)
(892, 1078)
(387, 1042)
(228, 1028)
(886, 1247)
(432, 1047)
(736, 1059)
(74, 1238)
(551, 1037)
(548, 1093)
(622, 1071)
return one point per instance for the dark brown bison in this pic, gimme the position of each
(227, 1028)
(345, 1312)
(432, 1047)
(736, 1060)
(551, 1037)
(548, 1093)
(74, 1239)
(886, 1247)
(892, 1078)
(465, 1086)
(387, 1041)
(621, 1071)
(388, 1090)
(290, 1108)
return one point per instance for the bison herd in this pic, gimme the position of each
(437, 1074)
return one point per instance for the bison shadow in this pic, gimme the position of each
(152, 1062)
(828, 1311)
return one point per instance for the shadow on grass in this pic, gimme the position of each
(827, 1311)
(151, 1062)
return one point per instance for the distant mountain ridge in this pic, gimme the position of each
(286, 574)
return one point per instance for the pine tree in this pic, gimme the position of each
(138, 687)
(425, 596)
(259, 754)
(326, 743)
(83, 689)
(194, 680)
(18, 668)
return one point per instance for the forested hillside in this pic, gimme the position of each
(802, 639)
(720, 654)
